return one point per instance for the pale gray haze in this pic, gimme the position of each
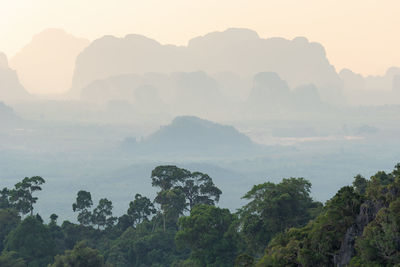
(99, 115)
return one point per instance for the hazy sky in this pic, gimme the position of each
(362, 35)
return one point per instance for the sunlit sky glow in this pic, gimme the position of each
(362, 35)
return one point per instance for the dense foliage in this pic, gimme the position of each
(281, 225)
(359, 226)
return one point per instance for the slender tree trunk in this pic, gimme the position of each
(31, 204)
(164, 221)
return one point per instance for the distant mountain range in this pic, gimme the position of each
(372, 90)
(218, 65)
(240, 51)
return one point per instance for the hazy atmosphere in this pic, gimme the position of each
(110, 99)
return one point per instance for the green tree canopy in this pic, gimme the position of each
(80, 256)
(210, 234)
(182, 190)
(11, 259)
(317, 243)
(32, 241)
(360, 184)
(272, 208)
(197, 187)
(9, 219)
(172, 203)
(5, 198)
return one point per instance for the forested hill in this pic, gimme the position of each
(281, 225)
(190, 135)
(359, 226)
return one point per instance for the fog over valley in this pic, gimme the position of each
(199, 133)
(232, 104)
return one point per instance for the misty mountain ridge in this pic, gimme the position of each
(11, 90)
(372, 90)
(54, 59)
(189, 135)
(46, 63)
(272, 94)
(189, 92)
(239, 51)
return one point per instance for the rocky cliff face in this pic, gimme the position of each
(368, 211)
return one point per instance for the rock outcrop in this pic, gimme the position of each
(368, 211)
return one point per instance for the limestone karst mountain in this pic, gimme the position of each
(11, 90)
(199, 94)
(371, 90)
(239, 51)
(46, 64)
(269, 91)
(272, 95)
(183, 92)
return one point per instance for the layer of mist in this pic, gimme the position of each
(100, 116)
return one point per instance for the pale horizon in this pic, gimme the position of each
(358, 35)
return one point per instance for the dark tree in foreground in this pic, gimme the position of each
(11, 259)
(274, 208)
(172, 203)
(197, 187)
(360, 184)
(9, 219)
(181, 190)
(32, 241)
(82, 205)
(102, 214)
(22, 195)
(200, 189)
(140, 209)
(210, 234)
(80, 256)
(5, 198)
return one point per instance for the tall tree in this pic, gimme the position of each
(172, 203)
(200, 189)
(82, 205)
(273, 208)
(166, 176)
(182, 190)
(140, 209)
(22, 195)
(102, 214)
